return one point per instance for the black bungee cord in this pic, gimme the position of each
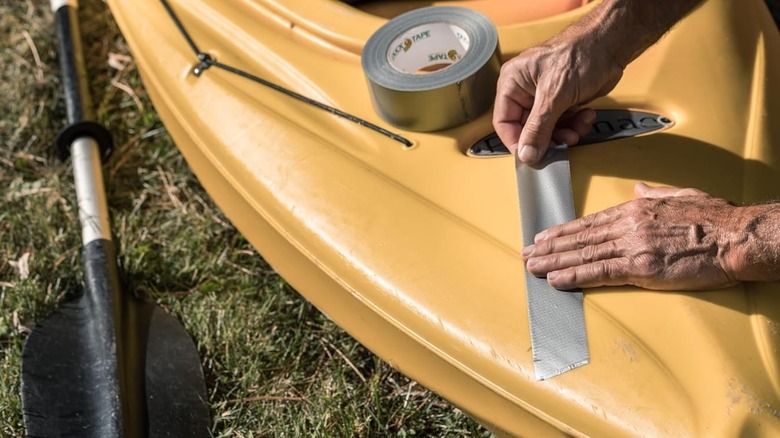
(207, 61)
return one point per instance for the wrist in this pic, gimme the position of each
(616, 29)
(753, 243)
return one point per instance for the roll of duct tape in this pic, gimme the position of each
(433, 68)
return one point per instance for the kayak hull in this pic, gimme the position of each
(415, 250)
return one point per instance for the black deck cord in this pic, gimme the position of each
(207, 61)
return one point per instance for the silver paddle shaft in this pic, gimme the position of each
(90, 192)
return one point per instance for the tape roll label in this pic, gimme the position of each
(428, 47)
(432, 68)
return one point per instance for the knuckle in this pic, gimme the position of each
(587, 254)
(602, 270)
(535, 125)
(568, 277)
(609, 270)
(612, 249)
(647, 265)
(582, 239)
(603, 217)
(550, 246)
(641, 204)
(552, 262)
(587, 221)
(691, 192)
(543, 247)
(638, 218)
(508, 68)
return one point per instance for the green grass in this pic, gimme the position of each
(274, 365)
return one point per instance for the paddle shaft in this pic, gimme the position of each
(103, 363)
(121, 391)
(90, 192)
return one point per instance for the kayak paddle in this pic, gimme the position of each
(105, 364)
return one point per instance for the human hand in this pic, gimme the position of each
(539, 90)
(668, 239)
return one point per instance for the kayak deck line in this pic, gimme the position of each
(207, 61)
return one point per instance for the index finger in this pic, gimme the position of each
(593, 220)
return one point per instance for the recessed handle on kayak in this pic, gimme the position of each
(610, 124)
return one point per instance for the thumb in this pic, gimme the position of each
(642, 190)
(538, 129)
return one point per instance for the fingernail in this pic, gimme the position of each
(528, 250)
(520, 151)
(552, 275)
(540, 236)
(527, 154)
(532, 263)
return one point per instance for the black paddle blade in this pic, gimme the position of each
(108, 365)
(70, 383)
(68, 388)
(176, 398)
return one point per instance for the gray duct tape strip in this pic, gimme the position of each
(558, 338)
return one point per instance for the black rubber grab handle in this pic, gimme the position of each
(78, 104)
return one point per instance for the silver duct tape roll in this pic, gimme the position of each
(433, 68)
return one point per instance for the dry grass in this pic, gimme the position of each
(274, 365)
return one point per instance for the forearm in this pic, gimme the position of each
(754, 249)
(625, 28)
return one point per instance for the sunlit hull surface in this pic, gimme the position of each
(415, 250)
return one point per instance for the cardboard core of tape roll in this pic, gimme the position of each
(416, 52)
(432, 68)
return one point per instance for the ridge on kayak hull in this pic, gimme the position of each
(415, 251)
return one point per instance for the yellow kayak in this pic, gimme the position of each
(415, 249)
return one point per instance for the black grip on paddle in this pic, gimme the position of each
(71, 380)
(78, 103)
(103, 291)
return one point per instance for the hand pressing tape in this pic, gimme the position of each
(433, 68)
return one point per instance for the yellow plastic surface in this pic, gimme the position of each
(501, 12)
(415, 251)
